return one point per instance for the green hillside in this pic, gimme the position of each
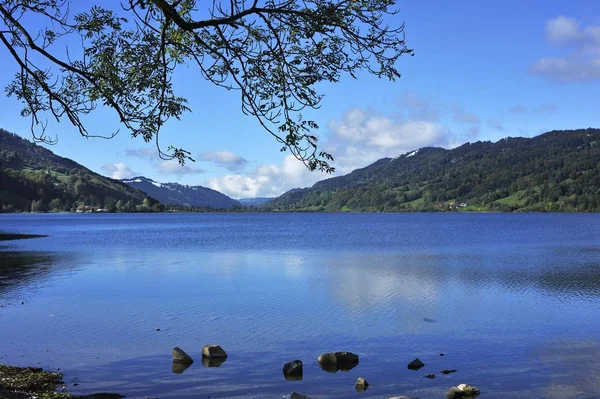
(556, 171)
(33, 178)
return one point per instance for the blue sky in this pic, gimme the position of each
(482, 70)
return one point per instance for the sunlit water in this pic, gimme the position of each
(511, 300)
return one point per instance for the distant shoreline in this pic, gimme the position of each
(17, 236)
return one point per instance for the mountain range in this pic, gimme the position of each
(555, 171)
(178, 194)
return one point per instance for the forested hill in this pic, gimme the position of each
(556, 171)
(34, 178)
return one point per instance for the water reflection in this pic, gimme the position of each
(179, 368)
(365, 282)
(213, 361)
(20, 269)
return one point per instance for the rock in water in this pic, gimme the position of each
(430, 376)
(361, 384)
(179, 356)
(327, 359)
(333, 362)
(463, 391)
(468, 389)
(416, 364)
(346, 359)
(213, 351)
(296, 395)
(447, 371)
(293, 370)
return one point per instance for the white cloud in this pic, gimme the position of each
(226, 159)
(172, 167)
(267, 180)
(567, 69)
(582, 64)
(562, 30)
(118, 171)
(359, 138)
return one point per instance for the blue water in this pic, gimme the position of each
(511, 300)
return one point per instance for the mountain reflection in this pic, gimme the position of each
(20, 269)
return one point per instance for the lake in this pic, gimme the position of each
(511, 300)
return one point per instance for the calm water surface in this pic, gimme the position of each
(513, 302)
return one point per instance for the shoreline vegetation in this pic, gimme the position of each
(445, 208)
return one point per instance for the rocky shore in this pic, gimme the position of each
(35, 383)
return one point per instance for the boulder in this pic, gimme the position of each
(179, 356)
(430, 376)
(348, 358)
(468, 389)
(447, 371)
(462, 391)
(296, 395)
(361, 384)
(416, 364)
(455, 393)
(327, 359)
(213, 351)
(293, 370)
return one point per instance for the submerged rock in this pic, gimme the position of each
(296, 395)
(447, 371)
(361, 385)
(430, 376)
(416, 364)
(179, 356)
(293, 370)
(462, 391)
(213, 351)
